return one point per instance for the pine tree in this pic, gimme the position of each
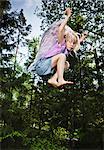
(13, 90)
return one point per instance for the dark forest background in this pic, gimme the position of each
(39, 117)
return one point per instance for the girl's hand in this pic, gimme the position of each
(68, 12)
(85, 34)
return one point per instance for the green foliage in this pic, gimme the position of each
(61, 133)
(4, 7)
(45, 144)
(12, 135)
(41, 117)
(33, 46)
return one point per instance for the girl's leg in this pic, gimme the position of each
(59, 61)
(53, 80)
(55, 83)
(55, 76)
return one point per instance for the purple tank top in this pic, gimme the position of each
(56, 49)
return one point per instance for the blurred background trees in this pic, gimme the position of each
(36, 117)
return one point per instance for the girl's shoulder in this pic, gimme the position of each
(62, 43)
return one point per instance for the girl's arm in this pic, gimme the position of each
(61, 30)
(84, 35)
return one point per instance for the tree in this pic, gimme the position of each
(13, 90)
(88, 74)
(4, 6)
(33, 47)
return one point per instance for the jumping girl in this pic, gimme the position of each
(57, 42)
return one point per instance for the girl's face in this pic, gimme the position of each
(70, 42)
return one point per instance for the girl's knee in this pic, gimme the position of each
(56, 58)
(62, 56)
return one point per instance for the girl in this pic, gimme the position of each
(55, 45)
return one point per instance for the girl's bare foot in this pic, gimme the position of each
(63, 82)
(54, 83)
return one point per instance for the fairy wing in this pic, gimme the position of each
(49, 38)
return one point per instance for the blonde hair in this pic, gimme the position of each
(70, 34)
(77, 42)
